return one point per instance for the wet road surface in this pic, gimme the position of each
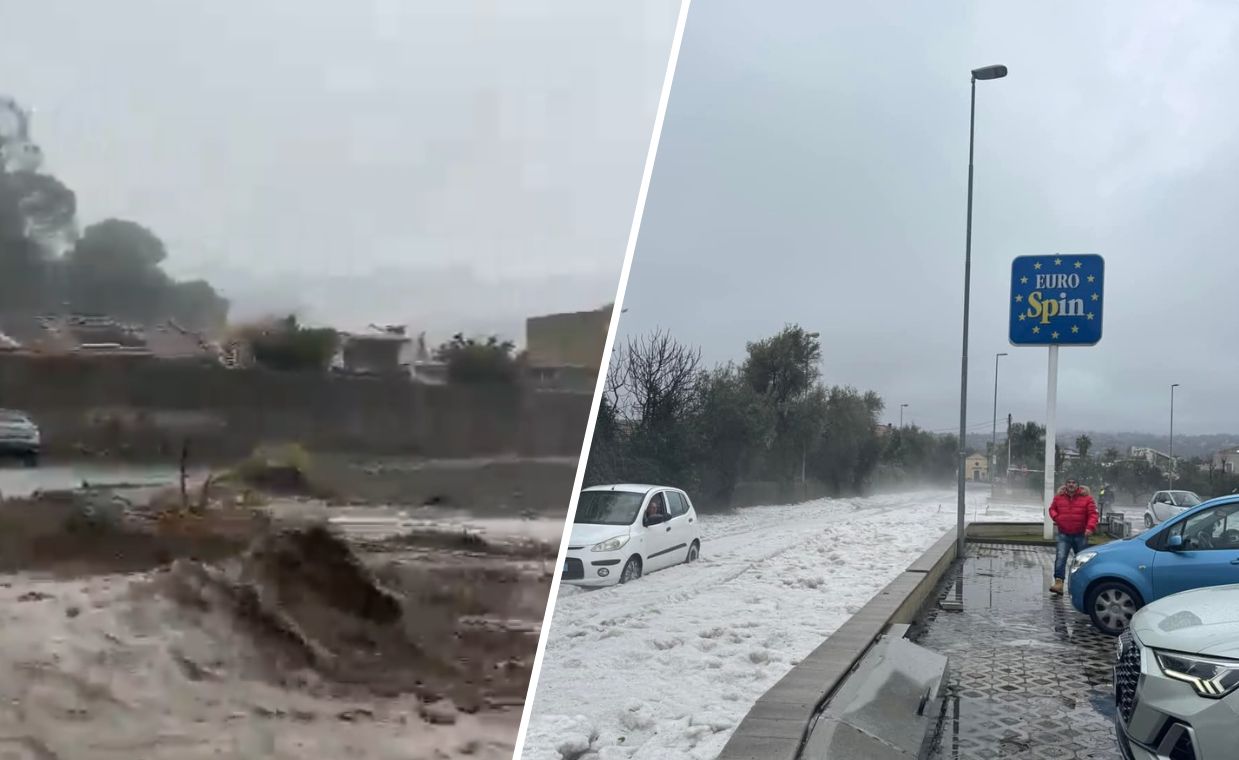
(1029, 677)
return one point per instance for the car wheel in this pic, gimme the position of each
(31, 460)
(694, 552)
(1111, 605)
(632, 570)
(1148, 520)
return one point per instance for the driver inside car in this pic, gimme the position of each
(656, 508)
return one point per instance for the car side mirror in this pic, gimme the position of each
(1174, 543)
(654, 520)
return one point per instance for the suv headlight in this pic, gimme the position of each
(610, 545)
(1209, 677)
(1080, 560)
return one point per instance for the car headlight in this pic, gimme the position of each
(610, 545)
(1081, 559)
(1210, 678)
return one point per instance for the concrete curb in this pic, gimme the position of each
(776, 726)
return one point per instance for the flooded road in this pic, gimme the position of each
(17, 481)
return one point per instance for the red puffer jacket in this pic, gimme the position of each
(1074, 514)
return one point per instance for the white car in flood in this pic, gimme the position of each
(622, 532)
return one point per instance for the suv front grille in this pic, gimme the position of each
(1127, 675)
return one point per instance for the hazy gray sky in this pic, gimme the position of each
(813, 169)
(468, 149)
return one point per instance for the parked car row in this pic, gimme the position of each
(1171, 595)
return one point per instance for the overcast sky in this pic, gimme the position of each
(445, 157)
(813, 169)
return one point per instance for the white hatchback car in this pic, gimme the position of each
(624, 531)
(1167, 504)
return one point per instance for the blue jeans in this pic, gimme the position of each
(1067, 545)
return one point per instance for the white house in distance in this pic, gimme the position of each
(1227, 459)
(1150, 455)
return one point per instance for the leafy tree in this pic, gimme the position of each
(848, 449)
(1136, 477)
(288, 347)
(736, 425)
(1083, 444)
(471, 360)
(1110, 455)
(114, 268)
(784, 366)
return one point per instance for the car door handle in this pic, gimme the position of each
(668, 528)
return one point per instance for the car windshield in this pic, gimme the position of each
(1186, 499)
(608, 507)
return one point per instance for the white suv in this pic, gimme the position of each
(1177, 678)
(623, 531)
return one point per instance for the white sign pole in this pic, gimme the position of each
(1051, 402)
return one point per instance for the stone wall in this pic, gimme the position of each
(141, 406)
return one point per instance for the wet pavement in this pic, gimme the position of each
(1029, 677)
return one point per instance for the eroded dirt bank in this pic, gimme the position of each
(127, 633)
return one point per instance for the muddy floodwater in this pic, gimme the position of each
(290, 630)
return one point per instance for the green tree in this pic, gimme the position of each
(1110, 455)
(1083, 444)
(848, 449)
(114, 268)
(471, 360)
(784, 366)
(1137, 478)
(1027, 445)
(288, 347)
(735, 424)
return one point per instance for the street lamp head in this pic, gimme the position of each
(1175, 385)
(989, 72)
(1002, 354)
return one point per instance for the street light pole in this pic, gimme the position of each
(901, 408)
(1172, 387)
(987, 72)
(993, 444)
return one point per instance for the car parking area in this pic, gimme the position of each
(1029, 677)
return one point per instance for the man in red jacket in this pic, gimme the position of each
(1075, 515)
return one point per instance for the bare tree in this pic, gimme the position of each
(659, 381)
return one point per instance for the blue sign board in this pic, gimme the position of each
(1057, 300)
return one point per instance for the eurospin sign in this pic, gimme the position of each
(1055, 301)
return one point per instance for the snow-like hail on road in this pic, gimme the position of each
(666, 667)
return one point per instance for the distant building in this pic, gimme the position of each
(574, 339)
(384, 351)
(1150, 455)
(1226, 460)
(565, 350)
(89, 335)
(976, 467)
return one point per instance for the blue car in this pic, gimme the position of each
(1195, 549)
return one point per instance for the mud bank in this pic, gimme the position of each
(232, 635)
